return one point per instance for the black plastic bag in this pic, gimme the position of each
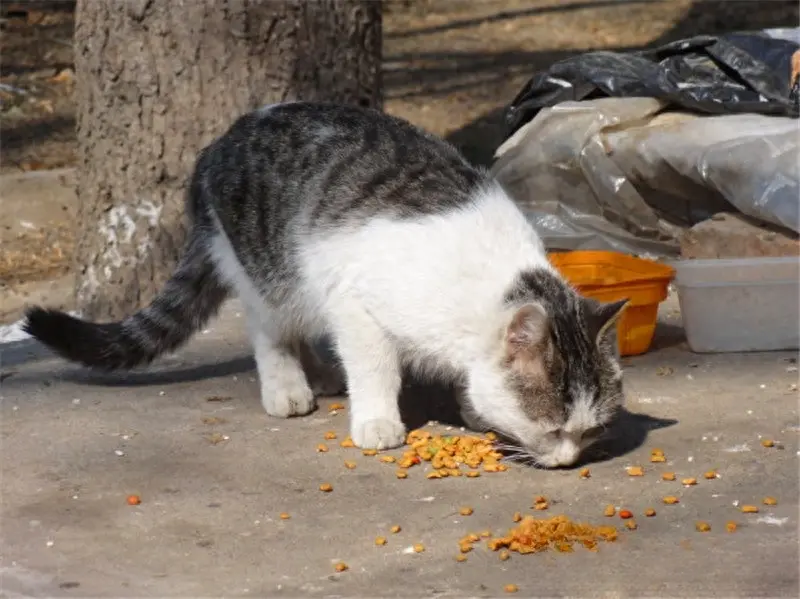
(733, 73)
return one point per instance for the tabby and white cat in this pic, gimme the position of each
(346, 223)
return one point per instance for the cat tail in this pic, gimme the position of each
(187, 301)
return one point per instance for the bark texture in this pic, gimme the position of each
(159, 79)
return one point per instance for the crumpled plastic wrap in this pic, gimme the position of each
(626, 175)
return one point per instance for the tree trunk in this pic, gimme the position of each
(159, 79)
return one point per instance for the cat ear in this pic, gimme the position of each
(529, 327)
(601, 318)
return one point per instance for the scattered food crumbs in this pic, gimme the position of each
(749, 509)
(395, 529)
(134, 500)
(517, 516)
(347, 442)
(419, 548)
(387, 459)
(668, 476)
(671, 500)
(540, 503)
(340, 567)
(635, 471)
(326, 487)
(767, 443)
(349, 465)
(369, 452)
(689, 482)
(730, 526)
(511, 588)
(504, 555)
(401, 474)
(285, 516)
(486, 534)
(609, 511)
(216, 438)
(335, 406)
(631, 524)
(658, 459)
(491, 436)
(330, 435)
(711, 474)
(322, 448)
(464, 547)
(380, 541)
(532, 535)
(625, 514)
(465, 511)
(585, 473)
(656, 451)
(770, 501)
(649, 512)
(211, 420)
(702, 526)
(461, 557)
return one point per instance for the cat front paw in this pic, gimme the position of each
(284, 402)
(378, 434)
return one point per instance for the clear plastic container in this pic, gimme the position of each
(739, 305)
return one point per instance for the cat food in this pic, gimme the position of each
(767, 443)
(532, 535)
(464, 547)
(369, 452)
(387, 459)
(702, 526)
(380, 541)
(711, 474)
(504, 555)
(330, 435)
(689, 482)
(335, 407)
(465, 511)
(511, 588)
(401, 474)
(472, 474)
(326, 487)
(730, 526)
(461, 557)
(635, 471)
(347, 442)
(349, 465)
(485, 534)
(671, 500)
(285, 516)
(541, 505)
(631, 524)
(609, 511)
(584, 473)
(517, 517)
(395, 529)
(750, 509)
(625, 514)
(658, 459)
(649, 512)
(451, 455)
(340, 567)
(134, 500)
(419, 548)
(669, 476)
(322, 448)
(770, 501)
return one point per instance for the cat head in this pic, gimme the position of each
(554, 381)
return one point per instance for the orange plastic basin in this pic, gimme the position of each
(612, 276)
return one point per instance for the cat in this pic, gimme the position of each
(349, 224)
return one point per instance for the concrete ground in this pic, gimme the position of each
(75, 445)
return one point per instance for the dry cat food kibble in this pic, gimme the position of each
(504, 555)
(517, 517)
(380, 541)
(284, 516)
(750, 509)
(349, 465)
(369, 452)
(395, 529)
(635, 471)
(631, 524)
(330, 435)
(711, 474)
(387, 459)
(625, 514)
(702, 526)
(322, 448)
(326, 487)
(511, 588)
(419, 548)
(134, 500)
(340, 566)
(465, 511)
(609, 511)
(658, 459)
(770, 501)
(533, 535)
(461, 557)
(347, 442)
(689, 482)
(671, 500)
(668, 476)
(649, 512)
(335, 406)
(401, 474)
(767, 442)
(584, 473)
(730, 526)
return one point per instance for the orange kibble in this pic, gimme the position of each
(387, 459)
(464, 547)
(511, 588)
(380, 541)
(767, 443)
(730, 526)
(401, 474)
(330, 435)
(769, 501)
(134, 500)
(504, 555)
(711, 474)
(635, 471)
(465, 511)
(671, 500)
(347, 442)
(702, 526)
(349, 465)
(461, 557)
(517, 517)
(625, 514)
(369, 452)
(689, 482)
(656, 451)
(491, 436)
(609, 511)
(540, 499)
(631, 524)
(584, 473)
(419, 548)
(750, 509)
(322, 448)
(658, 459)
(335, 406)
(340, 566)
(668, 476)
(326, 487)
(285, 516)
(542, 505)
(395, 529)
(472, 474)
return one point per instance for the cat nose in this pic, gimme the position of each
(567, 453)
